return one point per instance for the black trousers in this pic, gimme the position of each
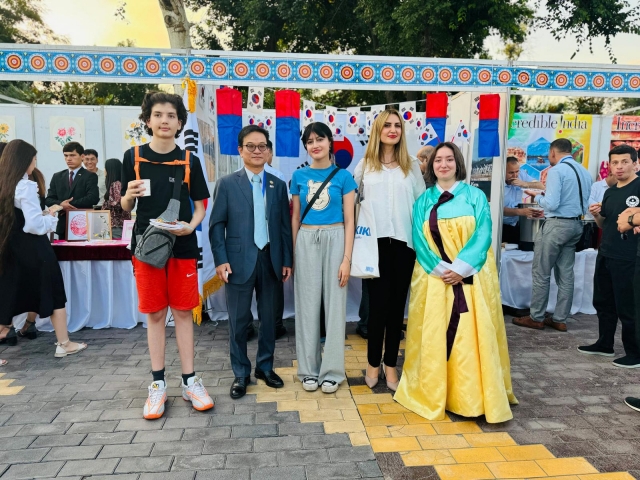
(387, 299)
(267, 287)
(510, 234)
(636, 296)
(613, 299)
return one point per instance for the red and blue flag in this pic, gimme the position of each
(229, 102)
(488, 136)
(287, 123)
(437, 104)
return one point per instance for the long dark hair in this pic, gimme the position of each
(38, 177)
(113, 170)
(14, 163)
(321, 130)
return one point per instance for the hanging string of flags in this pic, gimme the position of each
(429, 125)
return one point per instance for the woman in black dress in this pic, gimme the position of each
(30, 277)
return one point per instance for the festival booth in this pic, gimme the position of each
(97, 273)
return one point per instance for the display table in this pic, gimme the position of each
(516, 281)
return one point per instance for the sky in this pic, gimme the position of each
(97, 25)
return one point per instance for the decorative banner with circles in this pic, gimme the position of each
(69, 63)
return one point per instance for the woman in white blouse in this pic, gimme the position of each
(30, 277)
(392, 182)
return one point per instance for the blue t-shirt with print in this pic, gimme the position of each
(327, 209)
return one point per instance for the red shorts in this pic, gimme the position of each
(175, 285)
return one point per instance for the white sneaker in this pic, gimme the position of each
(310, 384)
(195, 393)
(154, 406)
(329, 386)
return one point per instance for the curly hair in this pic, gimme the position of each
(14, 163)
(153, 98)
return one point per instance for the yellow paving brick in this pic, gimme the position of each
(566, 466)
(413, 419)
(427, 457)
(497, 439)
(476, 455)
(456, 427)
(436, 442)
(355, 366)
(372, 398)
(341, 393)
(287, 370)
(2, 375)
(401, 444)
(307, 416)
(525, 452)
(318, 394)
(607, 476)
(359, 439)
(359, 347)
(351, 353)
(337, 403)
(563, 477)
(353, 373)
(516, 469)
(411, 430)
(384, 419)
(392, 408)
(6, 383)
(348, 426)
(10, 390)
(275, 396)
(350, 414)
(370, 409)
(360, 390)
(297, 405)
(469, 471)
(377, 432)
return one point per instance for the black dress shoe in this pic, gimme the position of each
(239, 387)
(281, 331)
(271, 378)
(363, 332)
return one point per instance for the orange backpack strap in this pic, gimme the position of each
(186, 162)
(187, 168)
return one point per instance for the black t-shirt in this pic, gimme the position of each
(615, 201)
(161, 177)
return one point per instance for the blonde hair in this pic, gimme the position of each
(374, 155)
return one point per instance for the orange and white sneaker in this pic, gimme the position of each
(154, 406)
(195, 393)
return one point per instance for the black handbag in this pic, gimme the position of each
(589, 233)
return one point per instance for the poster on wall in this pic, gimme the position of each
(531, 134)
(133, 133)
(63, 130)
(481, 169)
(7, 128)
(625, 130)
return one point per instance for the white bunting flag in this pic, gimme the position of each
(308, 112)
(408, 112)
(428, 136)
(255, 99)
(461, 136)
(361, 134)
(420, 122)
(254, 119)
(338, 132)
(331, 117)
(269, 123)
(375, 110)
(368, 122)
(353, 117)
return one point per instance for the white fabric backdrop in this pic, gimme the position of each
(102, 294)
(515, 281)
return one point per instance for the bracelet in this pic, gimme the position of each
(345, 256)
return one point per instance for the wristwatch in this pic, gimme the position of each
(630, 220)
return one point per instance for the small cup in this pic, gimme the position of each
(146, 183)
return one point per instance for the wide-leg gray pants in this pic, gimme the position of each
(318, 255)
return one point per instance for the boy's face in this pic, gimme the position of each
(90, 163)
(72, 159)
(164, 121)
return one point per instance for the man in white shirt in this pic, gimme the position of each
(90, 162)
(597, 191)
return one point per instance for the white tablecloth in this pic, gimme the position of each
(515, 281)
(102, 294)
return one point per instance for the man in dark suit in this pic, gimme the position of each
(250, 233)
(73, 188)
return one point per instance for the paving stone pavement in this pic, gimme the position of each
(80, 417)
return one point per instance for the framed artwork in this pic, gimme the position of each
(99, 225)
(127, 230)
(76, 225)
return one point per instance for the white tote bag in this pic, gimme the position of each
(364, 261)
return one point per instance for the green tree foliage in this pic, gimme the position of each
(21, 22)
(585, 20)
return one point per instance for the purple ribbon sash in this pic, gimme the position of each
(459, 302)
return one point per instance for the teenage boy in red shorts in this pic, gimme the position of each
(175, 285)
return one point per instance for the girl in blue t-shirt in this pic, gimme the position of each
(323, 241)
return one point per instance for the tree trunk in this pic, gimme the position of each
(175, 19)
(178, 27)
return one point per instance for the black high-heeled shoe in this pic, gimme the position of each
(31, 332)
(11, 338)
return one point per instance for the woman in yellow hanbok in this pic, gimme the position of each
(456, 355)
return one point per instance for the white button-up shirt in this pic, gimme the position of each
(392, 195)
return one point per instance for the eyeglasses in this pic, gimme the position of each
(252, 148)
